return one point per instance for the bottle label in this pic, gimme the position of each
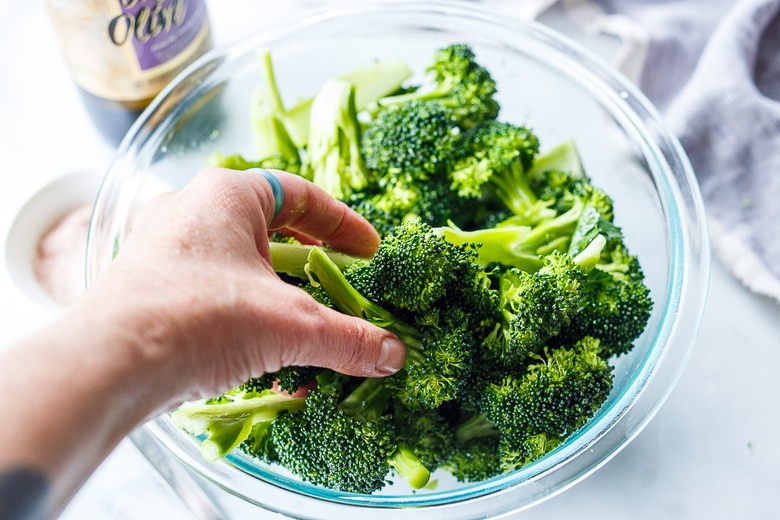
(159, 30)
(128, 50)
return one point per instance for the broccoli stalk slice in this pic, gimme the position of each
(372, 81)
(500, 244)
(228, 421)
(521, 246)
(325, 272)
(409, 466)
(291, 258)
(563, 157)
(334, 161)
(511, 187)
(268, 114)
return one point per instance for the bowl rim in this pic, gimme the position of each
(684, 304)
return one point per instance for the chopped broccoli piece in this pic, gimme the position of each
(334, 161)
(616, 303)
(272, 139)
(228, 421)
(555, 396)
(348, 445)
(493, 159)
(409, 142)
(458, 82)
(536, 306)
(438, 357)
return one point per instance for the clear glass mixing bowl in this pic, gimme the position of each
(545, 82)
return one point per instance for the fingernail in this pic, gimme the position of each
(391, 357)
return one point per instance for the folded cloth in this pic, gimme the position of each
(713, 68)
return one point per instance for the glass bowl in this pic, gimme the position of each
(546, 82)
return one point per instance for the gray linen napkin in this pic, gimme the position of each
(713, 68)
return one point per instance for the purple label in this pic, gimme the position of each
(159, 29)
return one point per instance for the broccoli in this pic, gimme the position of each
(227, 421)
(409, 142)
(347, 444)
(555, 396)
(333, 160)
(536, 306)
(407, 148)
(616, 303)
(492, 160)
(501, 268)
(458, 82)
(272, 139)
(438, 357)
(528, 412)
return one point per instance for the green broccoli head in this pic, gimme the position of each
(536, 306)
(476, 460)
(457, 81)
(409, 142)
(464, 84)
(616, 303)
(415, 267)
(324, 445)
(555, 396)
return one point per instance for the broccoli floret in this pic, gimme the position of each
(348, 445)
(409, 142)
(228, 420)
(616, 303)
(438, 357)
(258, 443)
(427, 432)
(333, 158)
(415, 267)
(555, 396)
(458, 82)
(476, 460)
(536, 306)
(492, 161)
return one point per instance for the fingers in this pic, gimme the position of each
(327, 338)
(309, 210)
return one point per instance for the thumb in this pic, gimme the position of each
(355, 347)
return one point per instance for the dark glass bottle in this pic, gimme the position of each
(122, 53)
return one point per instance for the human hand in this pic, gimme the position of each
(195, 280)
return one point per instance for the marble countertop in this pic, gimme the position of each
(711, 452)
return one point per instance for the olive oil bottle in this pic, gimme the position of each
(122, 53)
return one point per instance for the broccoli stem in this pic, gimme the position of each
(369, 400)
(475, 427)
(512, 187)
(228, 424)
(323, 271)
(517, 245)
(291, 259)
(271, 136)
(409, 466)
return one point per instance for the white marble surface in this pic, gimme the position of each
(711, 452)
